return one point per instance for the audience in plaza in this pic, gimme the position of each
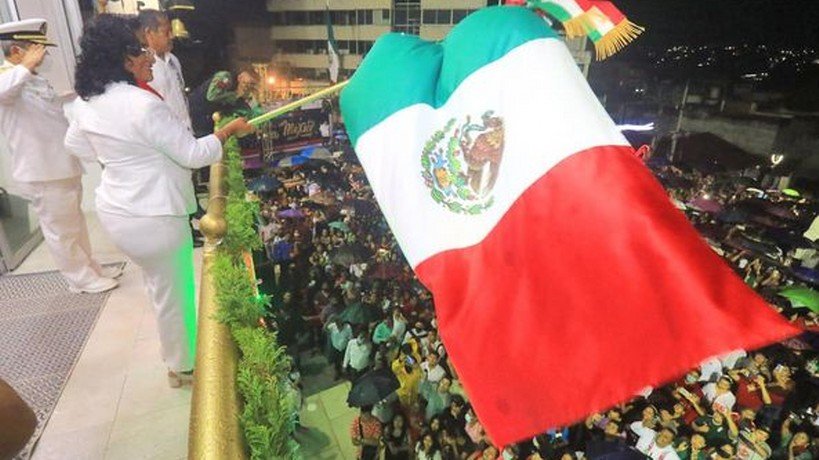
(352, 288)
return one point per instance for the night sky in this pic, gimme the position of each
(775, 22)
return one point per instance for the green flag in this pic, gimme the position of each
(334, 61)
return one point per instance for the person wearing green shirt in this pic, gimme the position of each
(714, 429)
(383, 331)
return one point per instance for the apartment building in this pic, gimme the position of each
(299, 32)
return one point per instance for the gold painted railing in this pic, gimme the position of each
(214, 433)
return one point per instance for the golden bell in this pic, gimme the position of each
(178, 29)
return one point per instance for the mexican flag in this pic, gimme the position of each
(333, 59)
(564, 279)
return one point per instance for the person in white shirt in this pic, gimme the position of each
(340, 335)
(433, 371)
(167, 71)
(719, 394)
(399, 326)
(710, 369)
(658, 446)
(357, 355)
(33, 123)
(155, 28)
(146, 192)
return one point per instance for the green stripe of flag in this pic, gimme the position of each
(403, 70)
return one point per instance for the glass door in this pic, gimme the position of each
(19, 230)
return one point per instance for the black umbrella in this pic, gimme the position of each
(672, 181)
(264, 184)
(715, 232)
(372, 387)
(361, 206)
(787, 239)
(733, 215)
(757, 247)
(612, 450)
(344, 257)
(348, 255)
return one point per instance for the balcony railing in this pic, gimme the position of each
(214, 433)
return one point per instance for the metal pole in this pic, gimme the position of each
(295, 105)
(676, 132)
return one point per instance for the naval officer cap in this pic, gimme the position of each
(27, 30)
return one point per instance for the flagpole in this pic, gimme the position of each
(296, 104)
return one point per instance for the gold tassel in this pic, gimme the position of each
(577, 26)
(617, 39)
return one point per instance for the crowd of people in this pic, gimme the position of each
(344, 288)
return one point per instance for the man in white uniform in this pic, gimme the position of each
(32, 121)
(168, 80)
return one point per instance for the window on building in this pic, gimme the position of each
(458, 15)
(316, 17)
(407, 16)
(364, 17)
(400, 17)
(444, 16)
(385, 15)
(277, 18)
(414, 15)
(298, 18)
(429, 17)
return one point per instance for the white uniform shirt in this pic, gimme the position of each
(147, 153)
(170, 84)
(32, 121)
(357, 355)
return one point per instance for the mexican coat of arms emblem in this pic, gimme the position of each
(461, 161)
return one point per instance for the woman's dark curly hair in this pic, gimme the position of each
(106, 42)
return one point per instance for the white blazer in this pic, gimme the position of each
(146, 152)
(32, 121)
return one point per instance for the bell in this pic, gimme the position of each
(178, 29)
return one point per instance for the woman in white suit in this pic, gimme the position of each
(146, 193)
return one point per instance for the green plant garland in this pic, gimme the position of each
(269, 409)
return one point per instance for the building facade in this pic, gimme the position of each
(299, 30)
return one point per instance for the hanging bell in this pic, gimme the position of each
(178, 29)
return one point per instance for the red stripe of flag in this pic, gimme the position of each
(591, 287)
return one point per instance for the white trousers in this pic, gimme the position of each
(58, 207)
(162, 246)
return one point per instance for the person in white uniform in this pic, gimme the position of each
(168, 80)
(32, 121)
(146, 193)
